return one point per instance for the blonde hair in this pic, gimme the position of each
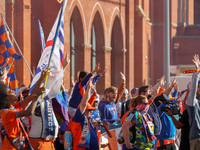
(134, 101)
(111, 89)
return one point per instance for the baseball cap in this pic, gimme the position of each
(97, 98)
(125, 92)
(90, 107)
(21, 89)
(169, 97)
(134, 90)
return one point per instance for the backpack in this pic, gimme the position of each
(125, 107)
(153, 112)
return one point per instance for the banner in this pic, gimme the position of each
(111, 143)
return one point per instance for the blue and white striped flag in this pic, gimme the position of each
(42, 39)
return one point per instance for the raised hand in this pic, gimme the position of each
(162, 81)
(73, 83)
(176, 86)
(4, 75)
(100, 74)
(196, 62)
(173, 82)
(67, 59)
(96, 69)
(122, 76)
(77, 75)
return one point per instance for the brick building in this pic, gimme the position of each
(122, 35)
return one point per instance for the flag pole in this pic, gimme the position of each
(16, 44)
(52, 49)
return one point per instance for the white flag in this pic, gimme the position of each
(55, 76)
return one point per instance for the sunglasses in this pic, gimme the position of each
(144, 103)
(89, 110)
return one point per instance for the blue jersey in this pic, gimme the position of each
(108, 111)
(79, 91)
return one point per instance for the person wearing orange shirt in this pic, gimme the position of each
(11, 111)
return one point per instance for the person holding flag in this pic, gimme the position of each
(44, 126)
(12, 112)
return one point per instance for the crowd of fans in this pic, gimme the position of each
(148, 115)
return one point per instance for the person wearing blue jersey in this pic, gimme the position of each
(80, 87)
(107, 108)
(84, 135)
(166, 138)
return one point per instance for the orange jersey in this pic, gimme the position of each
(11, 125)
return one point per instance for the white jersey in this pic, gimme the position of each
(38, 122)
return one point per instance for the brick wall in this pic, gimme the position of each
(129, 36)
(3, 7)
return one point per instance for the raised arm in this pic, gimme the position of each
(102, 73)
(169, 89)
(66, 61)
(3, 75)
(92, 98)
(85, 80)
(175, 93)
(121, 88)
(31, 108)
(73, 83)
(98, 76)
(25, 102)
(191, 99)
(96, 69)
(155, 89)
(86, 96)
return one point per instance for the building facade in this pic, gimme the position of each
(122, 35)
